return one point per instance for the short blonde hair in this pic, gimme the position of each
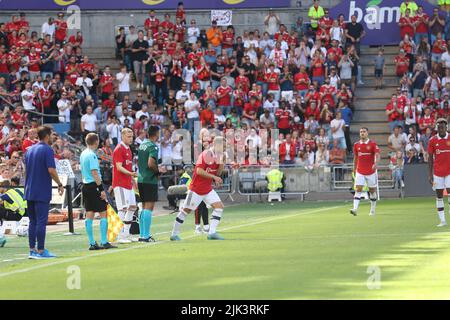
(125, 131)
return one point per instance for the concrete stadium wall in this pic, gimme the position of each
(98, 26)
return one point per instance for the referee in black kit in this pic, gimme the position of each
(93, 194)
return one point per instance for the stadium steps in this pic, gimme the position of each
(366, 59)
(370, 103)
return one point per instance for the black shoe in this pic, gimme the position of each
(94, 246)
(171, 208)
(149, 239)
(108, 246)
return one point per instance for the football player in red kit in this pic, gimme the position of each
(366, 158)
(208, 170)
(439, 166)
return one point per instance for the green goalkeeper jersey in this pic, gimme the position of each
(146, 150)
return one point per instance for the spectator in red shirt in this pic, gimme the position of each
(313, 96)
(76, 40)
(72, 70)
(427, 121)
(301, 81)
(421, 22)
(23, 23)
(287, 151)
(439, 46)
(313, 110)
(224, 92)
(139, 124)
(167, 24)
(317, 68)
(106, 83)
(401, 63)
(284, 118)
(207, 116)
(407, 25)
(228, 40)
(30, 140)
(110, 103)
(19, 118)
(152, 23)
(249, 114)
(181, 13)
(241, 79)
(394, 113)
(273, 80)
(61, 28)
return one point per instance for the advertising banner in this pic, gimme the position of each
(138, 4)
(378, 17)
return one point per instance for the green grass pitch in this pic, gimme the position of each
(289, 250)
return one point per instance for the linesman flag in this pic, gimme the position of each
(114, 224)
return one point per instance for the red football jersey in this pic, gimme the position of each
(226, 99)
(122, 153)
(365, 153)
(208, 162)
(440, 149)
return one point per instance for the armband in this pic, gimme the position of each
(100, 188)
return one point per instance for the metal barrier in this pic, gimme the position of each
(228, 184)
(297, 180)
(342, 177)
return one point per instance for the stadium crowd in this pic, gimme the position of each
(301, 81)
(423, 69)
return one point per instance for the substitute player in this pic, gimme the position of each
(148, 181)
(366, 157)
(207, 171)
(439, 166)
(123, 184)
(93, 193)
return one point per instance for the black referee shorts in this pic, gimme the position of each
(92, 200)
(148, 192)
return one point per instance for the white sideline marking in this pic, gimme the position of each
(112, 251)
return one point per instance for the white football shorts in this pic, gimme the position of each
(440, 183)
(371, 180)
(193, 199)
(125, 198)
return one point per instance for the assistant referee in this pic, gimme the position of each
(94, 195)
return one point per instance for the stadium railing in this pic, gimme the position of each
(342, 177)
(228, 177)
(40, 115)
(297, 180)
